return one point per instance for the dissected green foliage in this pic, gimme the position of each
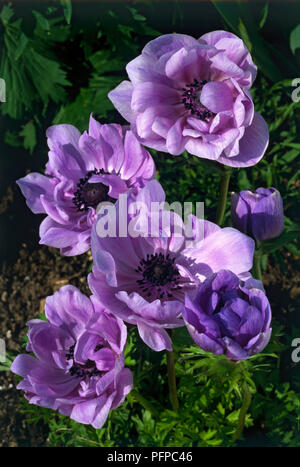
(210, 396)
(31, 76)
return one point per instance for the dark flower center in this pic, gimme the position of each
(90, 194)
(80, 371)
(191, 100)
(159, 275)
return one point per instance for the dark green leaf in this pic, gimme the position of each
(67, 7)
(295, 39)
(272, 245)
(29, 134)
(265, 12)
(43, 22)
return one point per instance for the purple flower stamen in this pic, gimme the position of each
(80, 371)
(90, 194)
(160, 276)
(191, 100)
(70, 353)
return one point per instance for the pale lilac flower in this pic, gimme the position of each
(83, 170)
(259, 213)
(78, 368)
(229, 317)
(193, 95)
(143, 279)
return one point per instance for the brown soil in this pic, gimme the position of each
(23, 289)
(283, 289)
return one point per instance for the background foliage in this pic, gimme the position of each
(59, 60)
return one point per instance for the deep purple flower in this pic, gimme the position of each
(228, 318)
(83, 170)
(143, 279)
(258, 213)
(79, 365)
(188, 94)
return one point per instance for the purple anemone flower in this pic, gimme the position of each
(193, 95)
(83, 170)
(79, 365)
(143, 279)
(227, 317)
(258, 213)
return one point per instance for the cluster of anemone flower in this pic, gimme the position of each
(183, 94)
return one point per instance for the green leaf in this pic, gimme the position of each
(5, 366)
(272, 245)
(243, 180)
(103, 61)
(29, 135)
(293, 178)
(42, 21)
(293, 249)
(6, 14)
(244, 35)
(23, 41)
(30, 75)
(13, 139)
(293, 145)
(136, 16)
(291, 155)
(265, 12)
(269, 175)
(295, 39)
(94, 98)
(67, 7)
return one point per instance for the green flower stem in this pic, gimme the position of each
(224, 184)
(257, 264)
(144, 403)
(243, 412)
(172, 380)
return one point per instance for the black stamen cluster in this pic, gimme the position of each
(191, 101)
(79, 200)
(98, 347)
(80, 371)
(158, 270)
(70, 353)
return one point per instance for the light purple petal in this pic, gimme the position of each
(56, 235)
(33, 186)
(167, 43)
(216, 96)
(121, 98)
(48, 342)
(148, 94)
(114, 182)
(138, 162)
(157, 339)
(224, 249)
(252, 146)
(69, 309)
(123, 386)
